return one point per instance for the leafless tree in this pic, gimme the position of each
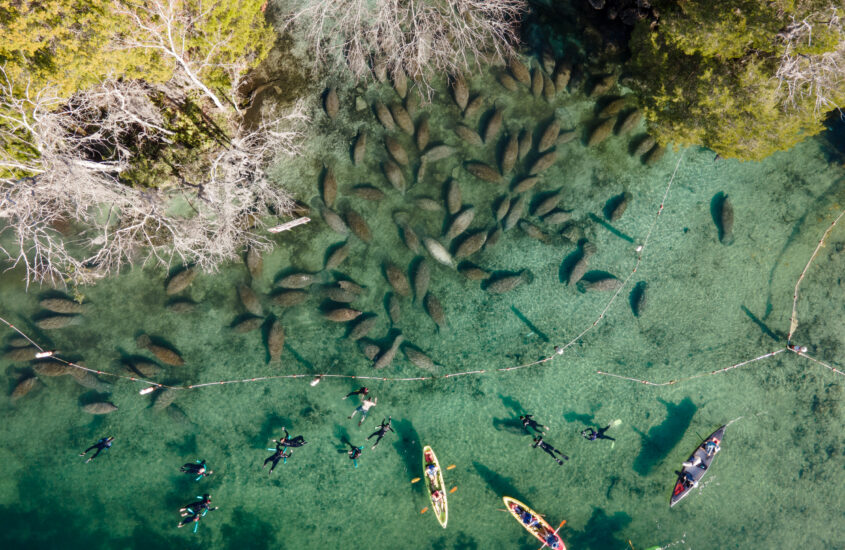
(817, 76)
(419, 37)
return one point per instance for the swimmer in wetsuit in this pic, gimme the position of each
(591, 435)
(354, 452)
(195, 511)
(382, 429)
(278, 454)
(286, 441)
(529, 422)
(360, 391)
(101, 445)
(538, 442)
(198, 468)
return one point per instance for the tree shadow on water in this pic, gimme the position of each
(661, 439)
(599, 531)
(500, 485)
(408, 446)
(248, 531)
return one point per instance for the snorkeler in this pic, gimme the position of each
(354, 452)
(591, 435)
(101, 445)
(364, 409)
(529, 422)
(195, 511)
(382, 429)
(360, 391)
(538, 442)
(278, 454)
(286, 441)
(198, 468)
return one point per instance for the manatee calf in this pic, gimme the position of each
(331, 103)
(471, 244)
(548, 204)
(383, 115)
(419, 359)
(423, 134)
(502, 207)
(394, 175)
(61, 305)
(103, 407)
(342, 315)
(475, 104)
(349, 286)
(653, 156)
(438, 252)
(460, 223)
(334, 221)
(543, 163)
(537, 83)
(387, 356)
(254, 262)
(394, 309)
(438, 152)
(435, 310)
(613, 108)
(402, 118)
(364, 325)
(557, 216)
(454, 197)
(359, 148)
(276, 340)
(163, 354)
(89, 380)
(549, 137)
(483, 171)
(247, 324)
(181, 305)
(508, 82)
(468, 135)
(369, 349)
(289, 298)
(147, 369)
(565, 137)
(250, 301)
(397, 279)
(601, 132)
(630, 121)
(338, 294)
(400, 82)
(473, 272)
(359, 226)
(329, 187)
(581, 266)
(617, 206)
(726, 221)
(533, 231)
(460, 91)
(409, 237)
(422, 278)
(494, 125)
(180, 281)
(644, 146)
(23, 387)
(368, 192)
(519, 71)
(510, 153)
(561, 75)
(526, 140)
(50, 367)
(493, 237)
(428, 204)
(514, 213)
(337, 257)
(297, 280)
(509, 282)
(525, 184)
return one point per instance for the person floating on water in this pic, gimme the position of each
(529, 422)
(354, 452)
(198, 468)
(360, 391)
(286, 441)
(382, 429)
(278, 454)
(538, 442)
(364, 409)
(592, 435)
(195, 511)
(101, 445)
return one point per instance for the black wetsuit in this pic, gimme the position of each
(354, 453)
(101, 445)
(286, 441)
(381, 431)
(591, 435)
(538, 442)
(277, 456)
(360, 391)
(194, 511)
(529, 422)
(197, 468)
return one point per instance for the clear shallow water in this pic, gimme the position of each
(695, 322)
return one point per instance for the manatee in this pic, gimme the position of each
(549, 90)
(639, 298)
(142, 367)
(469, 135)
(181, 305)
(163, 398)
(18, 342)
(409, 237)
(644, 146)
(421, 170)
(460, 91)
(565, 137)
(21, 354)
(515, 213)
(289, 298)
(337, 257)
(402, 118)
(387, 356)
(533, 231)
(563, 70)
(435, 310)
(368, 192)
(510, 152)
(342, 314)
(250, 300)
(412, 104)
(493, 237)
(329, 187)
(248, 324)
(55, 321)
(163, 354)
(338, 294)
(359, 226)
(548, 204)
(23, 387)
(508, 82)
(630, 121)
(526, 184)
(557, 216)
(471, 244)
(334, 221)
(494, 125)
(726, 221)
(394, 176)
(428, 204)
(177, 415)
(526, 141)
(474, 105)
(50, 367)
(613, 108)
(359, 148)
(519, 71)
(180, 281)
(502, 208)
(397, 279)
(400, 82)
(549, 137)
(88, 380)
(61, 305)
(297, 280)
(383, 115)
(394, 309)
(509, 282)
(254, 262)
(331, 103)
(601, 132)
(438, 152)
(369, 349)
(572, 232)
(438, 252)
(460, 223)
(397, 152)
(619, 207)
(537, 83)
(483, 171)
(602, 85)
(103, 407)
(454, 197)
(543, 163)
(423, 134)
(581, 266)
(654, 155)
(419, 359)
(276, 340)
(349, 286)
(364, 325)
(473, 272)
(601, 285)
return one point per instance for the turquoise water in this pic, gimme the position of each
(776, 482)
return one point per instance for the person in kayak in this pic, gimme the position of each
(101, 445)
(431, 471)
(197, 468)
(354, 452)
(382, 429)
(592, 435)
(360, 391)
(551, 541)
(529, 519)
(286, 441)
(529, 422)
(711, 447)
(436, 496)
(364, 409)
(278, 454)
(538, 442)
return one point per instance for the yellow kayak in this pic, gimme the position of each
(433, 476)
(534, 524)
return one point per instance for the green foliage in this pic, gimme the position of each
(706, 74)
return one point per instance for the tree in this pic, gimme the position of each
(744, 78)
